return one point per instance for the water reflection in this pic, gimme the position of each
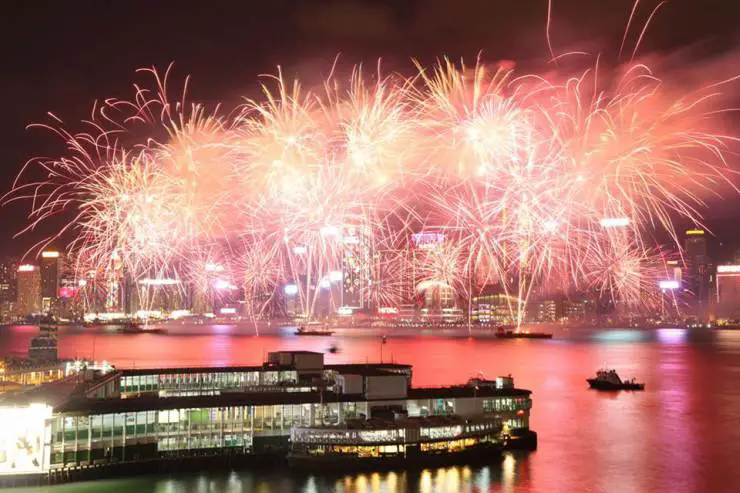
(681, 434)
(672, 336)
(504, 476)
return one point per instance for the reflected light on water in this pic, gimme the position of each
(453, 479)
(483, 480)
(311, 485)
(361, 483)
(672, 336)
(375, 482)
(235, 482)
(439, 480)
(425, 484)
(508, 470)
(202, 486)
(619, 335)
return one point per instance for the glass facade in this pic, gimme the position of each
(500, 404)
(214, 412)
(203, 383)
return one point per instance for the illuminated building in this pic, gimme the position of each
(727, 300)
(29, 290)
(494, 308)
(8, 284)
(577, 310)
(543, 310)
(699, 272)
(125, 416)
(357, 258)
(51, 270)
(437, 295)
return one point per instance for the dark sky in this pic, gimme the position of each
(61, 56)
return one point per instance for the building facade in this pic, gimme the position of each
(135, 415)
(29, 290)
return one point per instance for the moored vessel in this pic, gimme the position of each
(607, 379)
(303, 331)
(505, 333)
(133, 328)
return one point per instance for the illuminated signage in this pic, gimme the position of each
(388, 310)
(158, 282)
(728, 269)
(672, 262)
(344, 311)
(421, 239)
(668, 284)
(290, 289)
(26, 268)
(228, 311)
(50, 254)
(694, 232)
(211, 267)
(299, 250)
(615, 222)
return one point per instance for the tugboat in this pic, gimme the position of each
(508, 333)
(609, 380)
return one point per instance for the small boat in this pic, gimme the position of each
(609, 380)
(132, 328)
(333, 349)
(513, 334)
(303, 331)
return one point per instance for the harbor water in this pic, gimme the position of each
(681, 435)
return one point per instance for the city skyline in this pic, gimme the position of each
(567, 174)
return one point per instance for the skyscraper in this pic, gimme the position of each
(356, 268)
(51, 271)
(8, 281)
(29, 290)
(727, 303)
(699, 278)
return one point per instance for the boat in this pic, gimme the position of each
(303, 331)
(132, 328)
(397, 442)
(503, 333)
(607, 379)
(333, 349)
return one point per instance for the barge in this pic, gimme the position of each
(292, 408)
(506, 333)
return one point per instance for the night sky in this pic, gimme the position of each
(61, 56)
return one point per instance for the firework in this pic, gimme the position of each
(320, 188)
